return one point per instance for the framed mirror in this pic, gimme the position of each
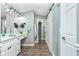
(3, 24)
(3, 20)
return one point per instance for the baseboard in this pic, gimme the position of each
(52, 53)
(27, 44)
(36, 41)
(50, 49)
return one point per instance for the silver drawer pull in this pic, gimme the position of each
(9, 47)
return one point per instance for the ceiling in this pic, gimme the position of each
(41, 9)
(3, 13)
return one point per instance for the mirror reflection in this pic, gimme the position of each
(12, 22)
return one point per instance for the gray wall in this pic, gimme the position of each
(30, 38)
(0, 17)
(78, 23)
(53, 35)
(56, 34)
(77, 27)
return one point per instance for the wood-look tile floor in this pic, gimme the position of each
(40, 49)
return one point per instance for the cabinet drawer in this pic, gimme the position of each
(68, 6)
(11, 48)
(7, 45)
(4, 53)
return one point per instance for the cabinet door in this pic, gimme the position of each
(16, 47)
(68, 50)
(11, 51)
(15, 50)
(5, 53)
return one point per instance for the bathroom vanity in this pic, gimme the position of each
(10, 46)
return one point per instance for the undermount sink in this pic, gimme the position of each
(6, 37)
(3, 38)
(12, 35)
(9, 36)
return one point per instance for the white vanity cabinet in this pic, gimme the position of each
(17, 47)
(11, 48)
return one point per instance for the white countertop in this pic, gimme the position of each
(5, 39)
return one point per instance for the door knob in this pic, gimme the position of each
(63, 38)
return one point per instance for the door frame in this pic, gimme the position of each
(39, 20)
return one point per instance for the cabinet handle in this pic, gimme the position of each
(18, 38)
(9, 47)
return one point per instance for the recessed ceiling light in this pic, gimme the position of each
(12, 10)
(15, 12)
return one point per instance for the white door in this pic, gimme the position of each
(68, 30)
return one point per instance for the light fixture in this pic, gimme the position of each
(15, 12)
(11, 10)
(3, 4)
(16, 15)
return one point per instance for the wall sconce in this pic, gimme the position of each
(15, 25)
(22, 25)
